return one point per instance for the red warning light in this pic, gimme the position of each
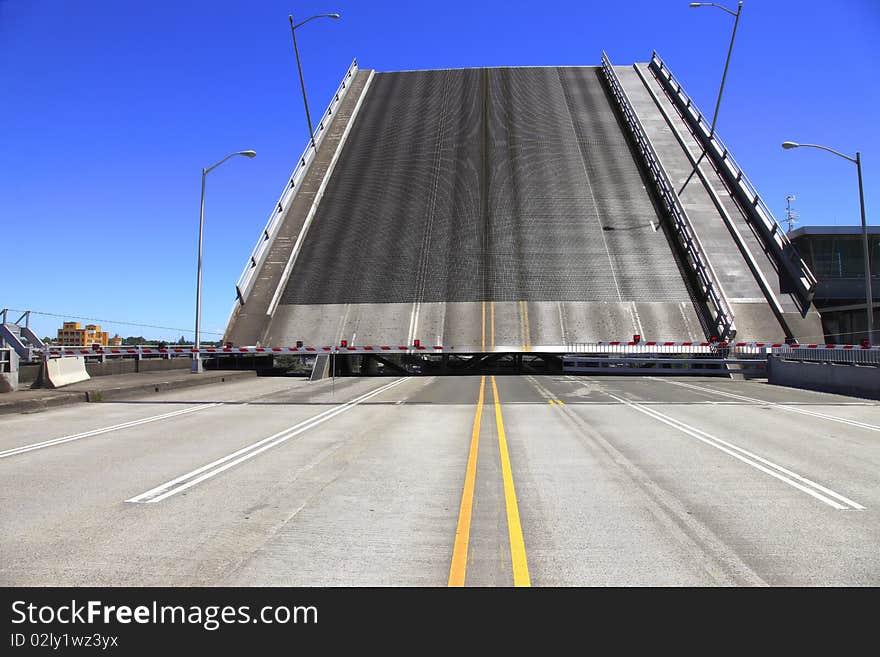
(713, 339)
(344, 343)
(417, 343)
(637, 338)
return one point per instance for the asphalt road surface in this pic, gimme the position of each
(480, 481)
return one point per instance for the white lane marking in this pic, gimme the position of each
(785, 407)
(96, 432)
(634, 311)
(762, 464)
(413, 322)
(561, 323)
(214, 468)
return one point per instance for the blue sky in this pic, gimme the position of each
(110, 109)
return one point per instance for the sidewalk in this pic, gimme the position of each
(102, 388)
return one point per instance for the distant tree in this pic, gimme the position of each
(133, 340)
(48, 340)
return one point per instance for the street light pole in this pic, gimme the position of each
(736, 14)
(869, 296)
(857, 160)
(196, 367)
(299, 68)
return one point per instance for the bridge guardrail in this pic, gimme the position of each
(759, 215)
(708, 280)
(246, 281)
(842, 356)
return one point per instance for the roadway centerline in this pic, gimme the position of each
(492, 322)
(524, 331)
(514, 526)
(458, 568)
(785, 407)
(768, 467)
(483, 328)
(460, 554)
(97, 432)
(183, 482)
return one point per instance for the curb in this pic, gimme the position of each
(61, 398)
(42, 403)
(109, 394)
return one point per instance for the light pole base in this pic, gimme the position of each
(197, 367)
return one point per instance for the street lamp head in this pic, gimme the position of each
(248, 153)
(311, 18)
(696, 4)
(789, 144)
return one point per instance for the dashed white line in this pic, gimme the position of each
(96, 432)
(183, 482)
(768, 467)
(785, 407)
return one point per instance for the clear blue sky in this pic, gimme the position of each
(109, 110)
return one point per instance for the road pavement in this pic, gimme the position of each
(480, 481)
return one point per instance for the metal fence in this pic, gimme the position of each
(846, 355)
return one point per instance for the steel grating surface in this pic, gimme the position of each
(500, 184)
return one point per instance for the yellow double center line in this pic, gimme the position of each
(524, 331)
(458, 568)
(491, 325)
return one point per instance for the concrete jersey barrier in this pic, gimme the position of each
(64, 371)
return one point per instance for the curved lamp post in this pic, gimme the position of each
(857, 160)
(196, 367)
(736, 14)
(299, 67)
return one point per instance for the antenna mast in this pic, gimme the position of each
(790, 215)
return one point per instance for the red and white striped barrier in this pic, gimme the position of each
(438, 349)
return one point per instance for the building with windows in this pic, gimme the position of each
(836, 255)
(74, 335)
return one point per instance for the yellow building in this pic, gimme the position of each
(73, 335)
(116, 341)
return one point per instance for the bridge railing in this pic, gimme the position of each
(708, 280)
(258, 255)
(771, 234)
(842, 355)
